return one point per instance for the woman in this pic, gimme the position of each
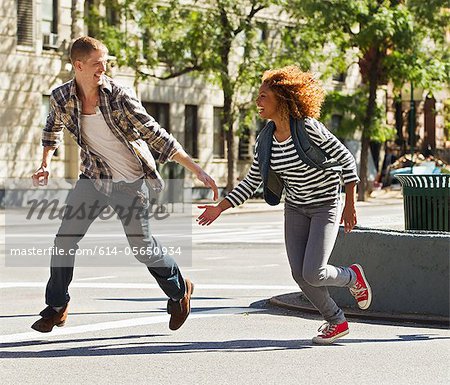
(291, 100)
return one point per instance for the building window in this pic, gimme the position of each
(25, 20)
(244, 145)
(45, 109)
(92, 17)
(260, 124)
(262, 31)
(191, 130)
(112, 13)
(49, 24)
(339, 77)
(160, 112)
(244, 150)
(219, 134)
(335, 122)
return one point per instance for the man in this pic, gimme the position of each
(114, 132)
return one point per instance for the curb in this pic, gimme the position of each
(297, 301)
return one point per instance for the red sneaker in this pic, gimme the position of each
(330, 333)
(361, 290)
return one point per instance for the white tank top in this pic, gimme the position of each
(100, 139)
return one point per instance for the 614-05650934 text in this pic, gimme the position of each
(33, 218)
(98, 250)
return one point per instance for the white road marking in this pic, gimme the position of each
(192, 270)
(261, 233)
(214, 258)
(235, 230)
(275, 240)
(120, 285)
(18, 337)
(241, 223)
(95, 278)
(110, 235)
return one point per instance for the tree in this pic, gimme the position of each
(392, 40)
(351, 109)
(222, 40)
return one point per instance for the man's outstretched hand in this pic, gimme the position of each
(208, 182)
(40, 176)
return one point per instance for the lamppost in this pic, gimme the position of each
(412, 125)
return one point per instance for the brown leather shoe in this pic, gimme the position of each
(50, 318)
(179, 310)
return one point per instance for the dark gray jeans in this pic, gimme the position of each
(86, 200)
(310, 235)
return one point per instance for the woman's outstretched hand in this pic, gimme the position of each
(210, 214)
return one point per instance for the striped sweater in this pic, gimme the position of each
(304, 185)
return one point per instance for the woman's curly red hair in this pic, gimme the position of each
(298, 92)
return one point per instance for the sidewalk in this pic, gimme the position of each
(378, 198)
(383, 197)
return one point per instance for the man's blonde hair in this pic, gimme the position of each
(83, 46)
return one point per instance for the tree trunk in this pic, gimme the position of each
(371, 75)
(227, 87)
(228, 123)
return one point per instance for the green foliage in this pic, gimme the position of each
(349, 107)
(247, 120)
(223, 41)
(411, 35)
(404, 38)
(352, 109)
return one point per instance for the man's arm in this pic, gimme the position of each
(150, 130)
(186, 161)
(161, 141)
(51, 139)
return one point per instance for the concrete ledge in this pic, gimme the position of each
(407, 270)
(298, 302)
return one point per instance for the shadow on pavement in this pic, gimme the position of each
(125, 312)
(160, 299)
(42, 343)
(360, 318)
(85, 313)
(149, 347)
(143, 344)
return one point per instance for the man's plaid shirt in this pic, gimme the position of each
(127, 119)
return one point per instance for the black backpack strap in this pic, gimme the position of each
(309, 152)
(302, 134)
(272, 183)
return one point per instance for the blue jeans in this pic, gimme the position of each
(126, 201)
(310, 235)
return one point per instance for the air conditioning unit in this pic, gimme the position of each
(50, 40)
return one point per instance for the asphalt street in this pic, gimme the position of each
(117, 329)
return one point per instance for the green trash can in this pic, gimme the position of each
(426, 201)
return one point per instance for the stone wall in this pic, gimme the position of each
(408, 271)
